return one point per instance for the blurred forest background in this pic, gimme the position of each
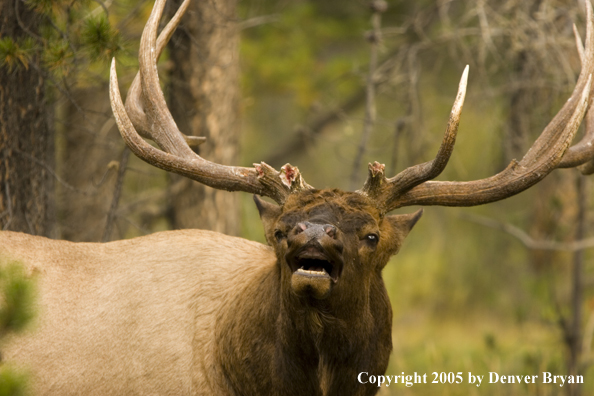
(285, 81)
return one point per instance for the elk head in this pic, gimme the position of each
(327, 238)
(323, 238)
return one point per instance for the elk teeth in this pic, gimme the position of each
(311, 272)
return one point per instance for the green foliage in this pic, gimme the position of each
(290, 56)
(14, 54)
(100, 39)
(16, 311)
(12, 383)
(72, 40)
(59, 57)
(46, 6)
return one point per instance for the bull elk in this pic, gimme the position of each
(195, 312)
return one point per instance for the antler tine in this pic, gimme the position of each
(134, 99)
(587, 143)
(544, 156)
(150, 109)
(514, 179)
(578, 43)
(420, 173)
(583, 151)
(163, 129)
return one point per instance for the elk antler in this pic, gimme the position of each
(582, 153)
(147, 112)
(549, 151)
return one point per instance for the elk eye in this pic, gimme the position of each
(371, 239)
(279, 236)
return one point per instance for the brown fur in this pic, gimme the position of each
(199, 313)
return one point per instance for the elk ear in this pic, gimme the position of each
(269, 212)
(401, 226)
(404, 223)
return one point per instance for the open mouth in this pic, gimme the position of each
(312, 262)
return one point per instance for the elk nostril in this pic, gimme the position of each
(330, 230)
(300, 228)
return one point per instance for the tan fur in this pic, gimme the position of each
(130, 317)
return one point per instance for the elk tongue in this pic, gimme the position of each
(317, 284)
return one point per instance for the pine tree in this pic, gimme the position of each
(16, 312)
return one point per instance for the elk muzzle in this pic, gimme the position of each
(314, 258)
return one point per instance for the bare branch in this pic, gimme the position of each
(257, 21)
(374, 38)
(526, 239)
(307, 133)
(9, 204)
(117, 191)
(54, 174)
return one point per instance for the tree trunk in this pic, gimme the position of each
(26, 135)
(89, 142)
(204, 101)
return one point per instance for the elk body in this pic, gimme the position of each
(196, 312)
(199, 313)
